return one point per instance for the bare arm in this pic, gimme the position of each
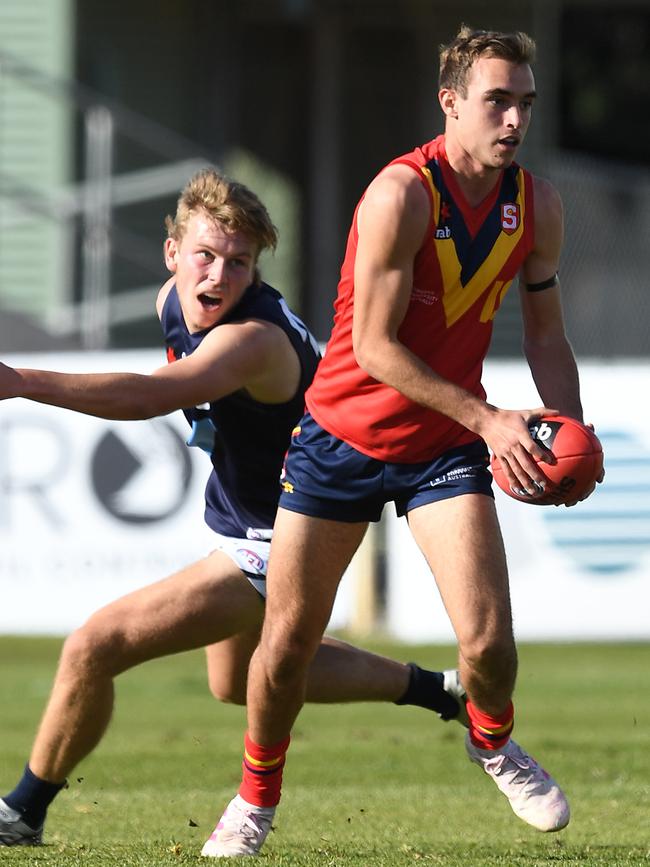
(546, 346)
(251, 355)
(392, 221)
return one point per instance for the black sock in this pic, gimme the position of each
(31, 797)
(426, 690)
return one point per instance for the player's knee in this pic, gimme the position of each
(228, 690)
(490, 654)
(91, 649)
(287, 655)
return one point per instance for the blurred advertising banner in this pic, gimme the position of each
(580, 573)
(93, 509)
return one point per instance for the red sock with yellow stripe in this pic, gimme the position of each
(262, 777)
(490, 732)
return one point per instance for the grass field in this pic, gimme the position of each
(364, 784)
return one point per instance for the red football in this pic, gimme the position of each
(579, 461)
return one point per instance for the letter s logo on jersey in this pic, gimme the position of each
(510, 217)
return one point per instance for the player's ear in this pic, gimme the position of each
(170, 250)
(447, 99)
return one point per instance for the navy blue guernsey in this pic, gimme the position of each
(246, 439)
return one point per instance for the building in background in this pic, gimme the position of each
(107, 107)
(36, 154)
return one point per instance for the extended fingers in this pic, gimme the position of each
(522, 472)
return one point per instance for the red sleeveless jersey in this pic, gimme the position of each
(461, 274)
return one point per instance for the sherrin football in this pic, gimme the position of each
(579, 461)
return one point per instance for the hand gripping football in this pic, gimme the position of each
(579, 461)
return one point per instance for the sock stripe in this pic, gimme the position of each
(259, 764)
(262, 773)
(487, 731)
(494, 739)
(494, 731)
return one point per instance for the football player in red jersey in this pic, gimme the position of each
(397, 412)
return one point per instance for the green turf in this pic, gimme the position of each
(364, 785)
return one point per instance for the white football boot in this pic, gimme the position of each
(242, 830)
(533, 794)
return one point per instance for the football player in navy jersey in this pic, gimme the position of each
(240, 362)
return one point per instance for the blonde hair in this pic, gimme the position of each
(229, 203)
(457, 58)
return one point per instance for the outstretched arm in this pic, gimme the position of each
(253, 355)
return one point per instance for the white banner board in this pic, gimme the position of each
(92, 509)
(579, 573)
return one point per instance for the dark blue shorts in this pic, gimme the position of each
(324, 477)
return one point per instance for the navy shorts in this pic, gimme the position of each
(324, 477)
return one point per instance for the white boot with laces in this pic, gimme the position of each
(242, 830)
(533, 794)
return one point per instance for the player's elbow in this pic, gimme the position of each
(135, 398)
(150, 409)
(543, 333)
(368, 355)
(545, 344)
(132, 412)
(149, 401)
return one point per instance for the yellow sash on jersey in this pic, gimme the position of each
(458, 297)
